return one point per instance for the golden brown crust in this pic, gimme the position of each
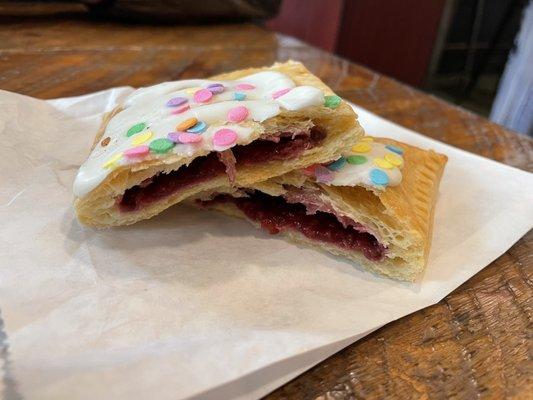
(401, 217)
(99, 208)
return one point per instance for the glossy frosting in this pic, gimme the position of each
(369, 163)
(149, 106)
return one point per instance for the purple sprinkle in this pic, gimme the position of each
(174, 136)
(215, 88)
(176, 101)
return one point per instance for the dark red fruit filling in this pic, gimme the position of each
(276, 215)
(288, 147)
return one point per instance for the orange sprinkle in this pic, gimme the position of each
(188, 123)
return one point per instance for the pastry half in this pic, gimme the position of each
(176, 139)
(374, 205)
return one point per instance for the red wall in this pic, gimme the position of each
(394, 37)
(314, 21)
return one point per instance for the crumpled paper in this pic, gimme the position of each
(193, 303)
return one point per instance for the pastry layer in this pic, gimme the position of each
(101, 206)
(399, 218)
(276, 215)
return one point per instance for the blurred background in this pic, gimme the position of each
(475, 53)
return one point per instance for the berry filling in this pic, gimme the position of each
(285, 146)
(276, 215)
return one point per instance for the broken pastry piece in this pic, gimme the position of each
(373, 205)
(173, 140)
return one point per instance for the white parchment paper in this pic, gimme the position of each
(193, 303)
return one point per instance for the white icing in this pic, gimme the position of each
(300, 97)
(148, 105)
(359, 174)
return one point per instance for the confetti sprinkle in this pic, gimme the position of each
(136, 129)
(141, 138)
(382, 163)
(136, 152)
(188, 123)
(176, 101)
(245, 86)
(378, 177)
(224, 137)
(215, 88)
(394, 159)
(361, 148)
(332, 101)
(280, 93)
(200, 127)
(367, 139)
(105, 141)
(111, 162)
(174, 136)
(310, 171)
(181, 110)
(237, 114)
(161, 146)
(356, 160)
(239, 96)
(202, 96)
(336, 165)
(323, 175)
(394, 149)
(186, 138)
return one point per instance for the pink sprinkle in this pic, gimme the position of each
(180, 110)
(186, 137)
(310, 171)
(202, 96)
(237, 114)
(224, 137)
(280, 93)
(323, 174)
(138, 151)
(245, 86)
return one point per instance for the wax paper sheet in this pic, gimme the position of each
(192, 303)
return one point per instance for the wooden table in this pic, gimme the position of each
(472, 344)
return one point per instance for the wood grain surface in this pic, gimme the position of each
(476, 343)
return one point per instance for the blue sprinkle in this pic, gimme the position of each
(378, 177)
(200, 127)
(239, 96)
(394, 149)
(336, 165)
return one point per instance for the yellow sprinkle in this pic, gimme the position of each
(394, 159)
(381, 163)
(141, 138)
(188, 123)
(192, 90)
(110, 163)
(367, 139)
(361, 147)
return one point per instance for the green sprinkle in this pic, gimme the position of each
(136, 129)
(357, 160)
(332, 101)
(161, 146)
